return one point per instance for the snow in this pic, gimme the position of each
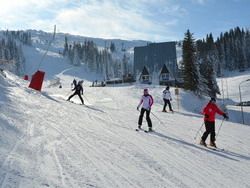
(46, 141)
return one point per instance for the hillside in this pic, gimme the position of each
(46, 141)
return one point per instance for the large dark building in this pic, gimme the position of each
(154, 56)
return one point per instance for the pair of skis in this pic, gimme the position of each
(74, 102)
(146, 131)
(211, 148)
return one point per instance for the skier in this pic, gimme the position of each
(209, 112)
(78, 91)
(146, 102)
(167, 98)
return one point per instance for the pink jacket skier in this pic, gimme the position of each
(146, 102)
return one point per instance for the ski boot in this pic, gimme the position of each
(212, 144)
(164, 110)
(139, 126)
(150, 129)
(203, 143)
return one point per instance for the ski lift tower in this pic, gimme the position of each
(241, 103)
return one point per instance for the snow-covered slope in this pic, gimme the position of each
(233, 85)
(42, 38)
(46, 141)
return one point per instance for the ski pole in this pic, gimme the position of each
(220, 128)
(86, 98)
(198, 131)
(157, 118)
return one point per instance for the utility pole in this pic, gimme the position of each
(241, 103)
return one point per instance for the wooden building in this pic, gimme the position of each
(154, 56)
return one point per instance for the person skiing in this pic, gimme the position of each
(209, 112)
(78, 91)
(167, 98)
(146, 102)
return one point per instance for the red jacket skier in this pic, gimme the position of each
(209, 119)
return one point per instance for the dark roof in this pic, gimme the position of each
(164, 69)
(145, 71)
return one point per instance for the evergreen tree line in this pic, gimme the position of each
(204, 60)
(22, 36)
(11, 55)
(231, 51)
(97, 60)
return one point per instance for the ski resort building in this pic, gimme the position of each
(154, 56)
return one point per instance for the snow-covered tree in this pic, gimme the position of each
(76, 60)
(112, 47)
(190, 67)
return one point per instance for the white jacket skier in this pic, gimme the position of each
(166, 94)
(167, 98)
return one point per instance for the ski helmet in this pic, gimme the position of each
(145, 91)
(213, 99)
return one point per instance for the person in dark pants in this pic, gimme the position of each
(146, 102)
(78, 91)
(167, 98)
(209, 119)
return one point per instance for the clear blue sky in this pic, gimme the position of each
(153, 20)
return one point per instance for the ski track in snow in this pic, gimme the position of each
(62, 144)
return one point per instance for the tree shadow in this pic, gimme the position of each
(237, 116)
(94, 108)
(189, 115)
(225, 154)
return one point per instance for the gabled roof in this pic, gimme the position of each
(144, 71)
(164, 69)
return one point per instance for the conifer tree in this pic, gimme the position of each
(66, 47)
(112, 47)
(76, 59)
(190, 68)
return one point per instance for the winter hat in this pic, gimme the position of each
(167, 87)
(145, 91)
(212, 99)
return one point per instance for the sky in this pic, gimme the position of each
(152, 20)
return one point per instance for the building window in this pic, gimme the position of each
(145, 77)
(165, 76)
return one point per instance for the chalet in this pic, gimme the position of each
(145, 77)
(154, 56)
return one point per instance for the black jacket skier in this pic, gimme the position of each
(78, 91)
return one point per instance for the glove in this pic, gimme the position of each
(138, 108)
(225, 116)
(206, 116)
